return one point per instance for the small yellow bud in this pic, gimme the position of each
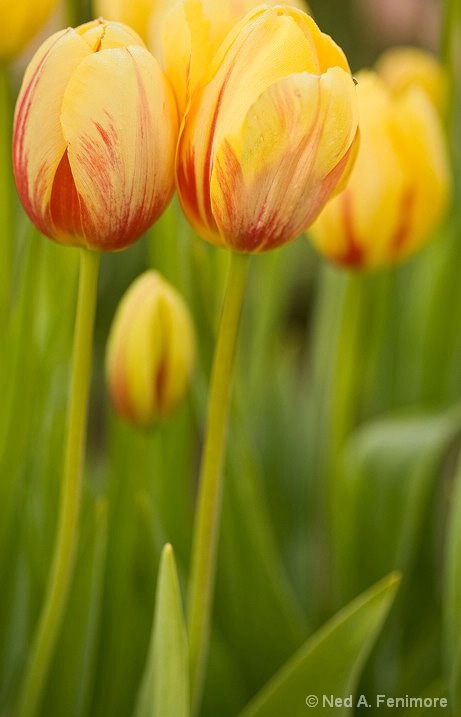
(150, 351)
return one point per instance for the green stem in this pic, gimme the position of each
(347, 377)
(6, 197)
(348, 369)
(206, 531)
(67, 532)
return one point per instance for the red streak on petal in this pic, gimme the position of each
(65, 209)
(353, 255)
(207, 169)
(32, 202)
(402, 231)
(119, 392)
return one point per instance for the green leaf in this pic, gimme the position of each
(164, 689)
(331, 661)
(390, 469)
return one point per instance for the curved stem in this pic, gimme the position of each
(69, 512)
(206, 531)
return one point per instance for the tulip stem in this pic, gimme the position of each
(67, 532)
(6, 196)
(206, 530)
(348, 370)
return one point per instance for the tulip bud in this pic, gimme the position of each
(150, 351)
(399, 186)
(94, 137)
(19, 22)
(404, 67)
(267, 139)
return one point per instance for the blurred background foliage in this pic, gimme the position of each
(306, 528)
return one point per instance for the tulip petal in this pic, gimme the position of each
(103, 35)
(39, 143)
(119, 121)
(271, 179)
(254, 56)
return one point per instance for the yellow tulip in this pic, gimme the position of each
(399, 186)
(267, 140)
(94, 137)
(150, 351)
(405, 67)
(19, 22)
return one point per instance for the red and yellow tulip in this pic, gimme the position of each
(267, 139)
(400, 184)
(94, 137)
(150, 351)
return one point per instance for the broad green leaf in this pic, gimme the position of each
(164, 689)
(390, 469)
(331, 661)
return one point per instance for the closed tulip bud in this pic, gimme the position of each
(150, 352)
(267, 139)
(399, 186)
(94, 137)
(404, 67)
(19, 22)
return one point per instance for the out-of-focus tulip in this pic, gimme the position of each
(267, 140)
(150, 351)
(19, 22)
(404, 67)
(94, 137)
(399, 186)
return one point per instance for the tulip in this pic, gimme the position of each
(19, 22)
(269, 137)
(405, 67)
(94, 137)
(399, 186)
(150, 351)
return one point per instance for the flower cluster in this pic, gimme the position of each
(254, 120)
